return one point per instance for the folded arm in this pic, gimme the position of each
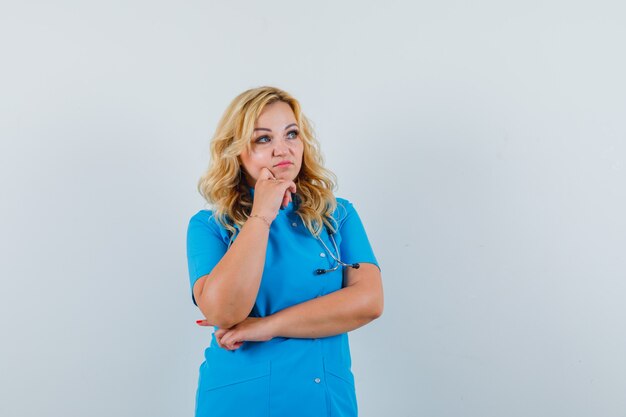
(349, 308)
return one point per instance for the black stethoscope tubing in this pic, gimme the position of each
(321, 271)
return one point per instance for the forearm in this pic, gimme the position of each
(338, 312)
(230, 290)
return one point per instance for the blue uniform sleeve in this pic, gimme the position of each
(355, 246)
(205, 246)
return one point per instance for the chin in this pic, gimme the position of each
(285, 176)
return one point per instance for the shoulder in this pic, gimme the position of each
(343, 204)
(203, 217)
(343, 210)
(204, 222)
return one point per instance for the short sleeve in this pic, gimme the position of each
(355, 246)
(205, 246)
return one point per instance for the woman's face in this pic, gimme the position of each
(276, 145)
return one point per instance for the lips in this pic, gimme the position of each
(283, 163)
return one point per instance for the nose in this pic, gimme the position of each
(280, 147)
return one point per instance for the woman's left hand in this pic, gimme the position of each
(252, 329)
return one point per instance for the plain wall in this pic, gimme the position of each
(483, 144)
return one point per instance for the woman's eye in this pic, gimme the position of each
(292, 134)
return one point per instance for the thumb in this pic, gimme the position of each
(266, 174)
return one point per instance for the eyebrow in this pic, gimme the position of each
(269, 130)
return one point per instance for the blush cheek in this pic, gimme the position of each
(258, 160)
(257, 157)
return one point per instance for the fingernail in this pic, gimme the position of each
(198, 321)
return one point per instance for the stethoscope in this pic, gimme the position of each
(321, 271)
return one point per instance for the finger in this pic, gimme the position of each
(289, 186)
(219, 334)
(227, 340)
(229, 345)
(222, 341)
(203, 323)
(272, 172)
(285, 201)
(231, 342)
(265, 174)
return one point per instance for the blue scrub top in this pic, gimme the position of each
(283, 377)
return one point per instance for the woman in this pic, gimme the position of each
(280, 267)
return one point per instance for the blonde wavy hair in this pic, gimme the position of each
(223, 185)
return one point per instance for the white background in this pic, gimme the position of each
(483, 144)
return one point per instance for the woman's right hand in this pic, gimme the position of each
(270, 194)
